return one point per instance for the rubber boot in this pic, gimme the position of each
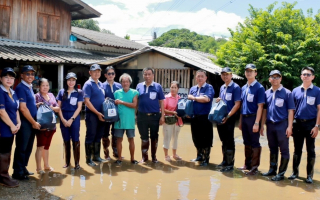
(89, 152)
(154, 146)
(67, 153)
(255, 161)
(96, 154)
(106, 144)
(223, 163)
(199, 155)
(248, 158)
(5, 179)
(229, 161)
(206, 156)
(282, 169)
(76, 154)
(273, 165)
(114, 146)
(295, 167)
(144, 150)
(310, 166)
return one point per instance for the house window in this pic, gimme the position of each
(4, 21)
(48, 28)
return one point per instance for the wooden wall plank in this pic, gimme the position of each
(188, 78)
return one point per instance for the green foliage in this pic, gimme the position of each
(280, 38)
(107, 31)
(127, 37)
(87, 24)
(185, 39)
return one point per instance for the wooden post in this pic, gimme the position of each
(178, 79)
(60, 76)
(163, 78)
(188, 79)
(156, 75)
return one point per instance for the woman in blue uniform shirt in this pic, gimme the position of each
(9, 124)
(70, 101)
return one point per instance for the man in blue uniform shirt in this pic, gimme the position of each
(253, 98)
(307, 116)
(201, 128)
(278, 113)
(230, 93)
(94, 97)
(150, 103)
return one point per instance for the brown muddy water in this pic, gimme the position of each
(164, 180)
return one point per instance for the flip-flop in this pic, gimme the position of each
(176, 157)
(167, 158)
(119, 162)
(134, 162)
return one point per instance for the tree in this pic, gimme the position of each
(107, 31)
(87, 24)
(127, 37)
(282, 38)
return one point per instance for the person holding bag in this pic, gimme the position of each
(44, 137)
(9, 124)
(171, 128)
(70, 101)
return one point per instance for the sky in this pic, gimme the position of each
(140, 18)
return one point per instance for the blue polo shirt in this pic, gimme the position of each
(278, 103)
(109, 90)
(149, 97)
(95, 92)
(251, 96)
(205, 90)
(70, 103)
(25, 94)
(230, 94)
(306, 102)
(11, 107)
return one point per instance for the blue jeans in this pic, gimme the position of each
(120, 132)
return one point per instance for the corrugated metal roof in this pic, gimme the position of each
(106, 39)
(191, 57)
(81, 10)
(26, 51)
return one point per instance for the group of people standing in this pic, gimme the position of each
(285, 113)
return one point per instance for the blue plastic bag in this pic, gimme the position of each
(46, 118)
(110, 110)
(181, 107)
(189, 108)
(218, 112)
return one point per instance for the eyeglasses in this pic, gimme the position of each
(306, 74)
(275, 77)
(112, 73)
(29, 74)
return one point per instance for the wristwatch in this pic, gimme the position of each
(256, 123)
(72, 118)
(317, 125)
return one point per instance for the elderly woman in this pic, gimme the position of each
(127, 100)
(171, 130)
(44, 137)
(70, 101)
(9, 124)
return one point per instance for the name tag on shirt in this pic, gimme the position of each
(250, 97)
(279, 102)
(112, 112)
(311, 100)
(228, 96)
(73, 101)
(153, 95)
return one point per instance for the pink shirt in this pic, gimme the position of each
(170, 103)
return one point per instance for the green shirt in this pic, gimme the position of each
(126, 114)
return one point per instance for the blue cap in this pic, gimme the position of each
(251, 66)
(71, 75)
(226, 70)
(8, 70)
(27, 68)
(95, 67)
(273, 72)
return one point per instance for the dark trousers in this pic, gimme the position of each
(72, 132)
(95, 128)
(302, 131)
(249, 137)
(226, 133)
(202, 131)
(6, 144)
(107, 129)
(148, 124)
(277, 138)
(24, 143)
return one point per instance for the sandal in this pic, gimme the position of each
(40, 171)
(167, 158)
(50, 169)
(119, 162)
(176, 157)
(134, 162)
